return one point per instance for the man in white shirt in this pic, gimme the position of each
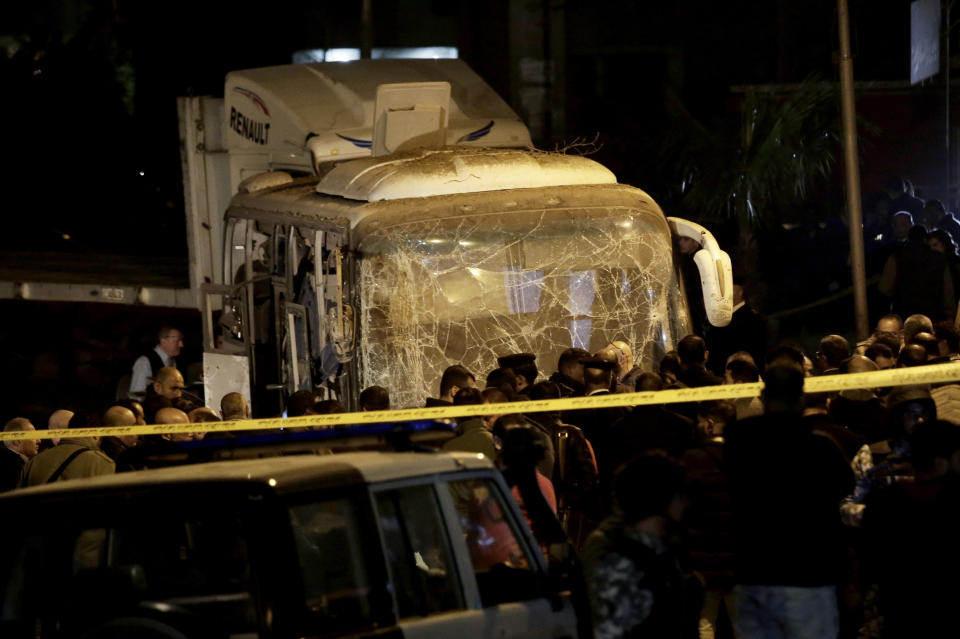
(170, 341)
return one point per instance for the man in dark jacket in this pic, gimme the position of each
(685, 250)
(650, 427)
(454, 379)
(693, 354)
(524, 367)
(116, 445)
(15, 453)
(786, 484)
(832, 352)
(709, 537)
(472, 435)
(574, 471)
(636, 572)
(918, 280)
(596, 424)
(909, 539)
(569, 375)
(747, 331)
(860, 410)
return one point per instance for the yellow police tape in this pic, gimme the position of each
(934, 374)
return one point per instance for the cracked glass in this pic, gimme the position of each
(467, 288)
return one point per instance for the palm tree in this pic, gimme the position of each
(782, 146)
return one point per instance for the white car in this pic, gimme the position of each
(360, 544)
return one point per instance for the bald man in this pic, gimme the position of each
(168, 383)
(119, 416)
(57, 421)
(202, 414)
(890, 325)
(15, 453)
(174, 416)
(137, 409)
(234, 406)
(859, 364)
(73, 458)
(171, 415)
(150, 448)
(627, 372)
(115, 446)
(612, 355)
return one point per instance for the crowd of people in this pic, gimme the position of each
(912, 243)
(790, 514)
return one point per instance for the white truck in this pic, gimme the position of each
(373, 222)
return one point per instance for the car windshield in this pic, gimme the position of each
(467, 288)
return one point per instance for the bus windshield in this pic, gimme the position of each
(468, 288)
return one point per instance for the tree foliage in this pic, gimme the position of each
(772, 155)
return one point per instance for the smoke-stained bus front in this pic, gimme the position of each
(465, 279)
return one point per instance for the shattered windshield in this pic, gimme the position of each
(465, 289)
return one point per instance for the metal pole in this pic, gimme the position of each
(946, 118)
(366, 29)
(857, 265)
(556, 46)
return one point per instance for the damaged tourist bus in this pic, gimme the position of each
(419, 229)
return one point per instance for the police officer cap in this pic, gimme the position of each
(598, 363)
(516, 359)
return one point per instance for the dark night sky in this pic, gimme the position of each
(91, 90)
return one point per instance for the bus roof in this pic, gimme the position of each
(452, 170)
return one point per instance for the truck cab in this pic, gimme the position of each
(391, 219)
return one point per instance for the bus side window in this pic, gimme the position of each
(326, 365)
(236, 253)
(249, 239)
(279, 266)
(304, 283)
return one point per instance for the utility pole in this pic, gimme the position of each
(855, 215)
(946, 118)
(366, 29)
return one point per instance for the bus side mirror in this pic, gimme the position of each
(716, 273)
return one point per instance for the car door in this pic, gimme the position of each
(503, 568)
(458, 567)
(424, 573)
(342, 590)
